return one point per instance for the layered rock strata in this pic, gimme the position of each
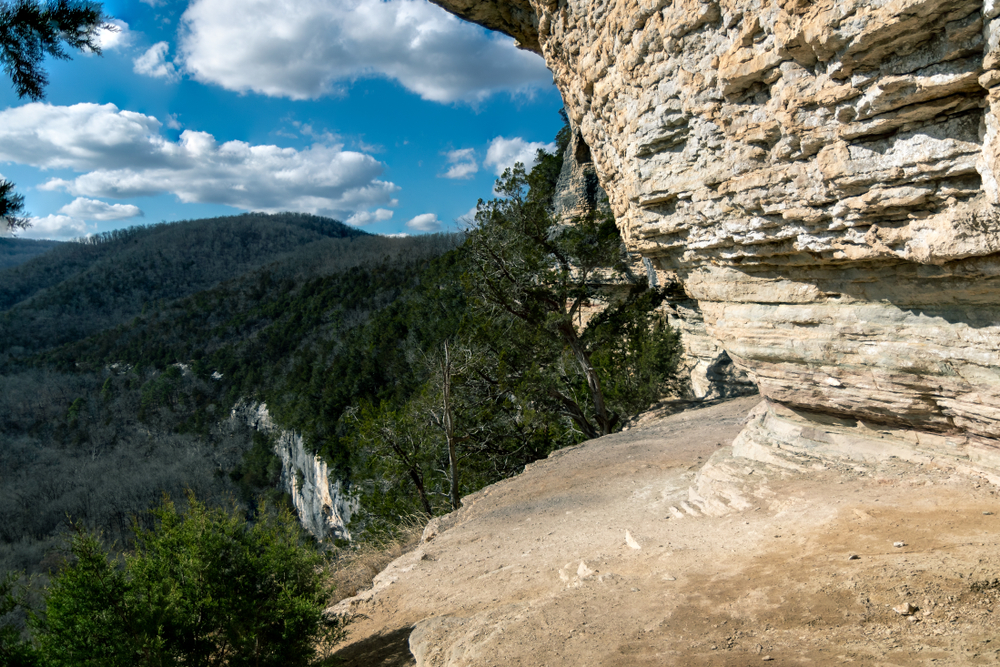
(820, 175)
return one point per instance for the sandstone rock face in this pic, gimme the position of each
(821, 175)
(710, 372)
(514, 17)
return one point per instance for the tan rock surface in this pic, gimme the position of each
(656, 546)
(820, 175)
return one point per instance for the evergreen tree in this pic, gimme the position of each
(529, 268)
(202, 588)
(12, 206)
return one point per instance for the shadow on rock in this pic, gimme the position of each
(386, 649)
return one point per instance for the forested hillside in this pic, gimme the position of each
(14, 251)
(82, 287)
(98, 429)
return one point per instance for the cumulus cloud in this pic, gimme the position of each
(154, 3)
(122, 154)
(154, 63)
(94, 209)
(317, 47)
(503, 153)
(119, 36)
(425, 222)
(57, 227)
(362, 218)
(463, 164)
(79, 137)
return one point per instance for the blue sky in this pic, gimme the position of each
(390, 115)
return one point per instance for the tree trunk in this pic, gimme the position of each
(419, 483)
(604, 422)
(575, 413)
(449, 427)
(414, 470)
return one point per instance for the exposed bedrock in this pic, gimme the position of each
(322, 502)
(821, 175)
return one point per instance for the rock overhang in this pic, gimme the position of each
(821, 176)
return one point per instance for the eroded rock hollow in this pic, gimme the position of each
(822, 177)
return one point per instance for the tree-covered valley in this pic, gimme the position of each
(110, 346)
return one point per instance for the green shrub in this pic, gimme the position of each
(201, 588)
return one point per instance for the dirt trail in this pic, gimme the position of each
(600, 555)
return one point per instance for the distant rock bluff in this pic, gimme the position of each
(822, 176)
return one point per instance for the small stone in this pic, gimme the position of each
(987, 513)
(905, 609)
(899, 544)
(854, 557)
(629, 540)
(669, 577)
(767, 658)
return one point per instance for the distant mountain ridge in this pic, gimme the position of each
(15, 251)
(79, 288)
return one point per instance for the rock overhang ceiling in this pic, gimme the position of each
(821, 176)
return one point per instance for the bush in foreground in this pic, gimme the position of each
(203, 588)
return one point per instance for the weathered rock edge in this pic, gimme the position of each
(821, 177)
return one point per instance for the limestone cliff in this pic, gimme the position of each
(821, 177)
(323, 505)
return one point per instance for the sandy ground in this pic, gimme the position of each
(599, 555)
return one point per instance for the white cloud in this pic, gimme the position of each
(112, 39)
(172, 122)
(93, 209)
(425, 222)
(463, 163)
(154, 3)
(122, 154)
(154, 63)
(463, 170)
(362, 218)
(79, 137)
(309, 131)
(56, 227)
(369, 148)
(503, 153)
(304, 49)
